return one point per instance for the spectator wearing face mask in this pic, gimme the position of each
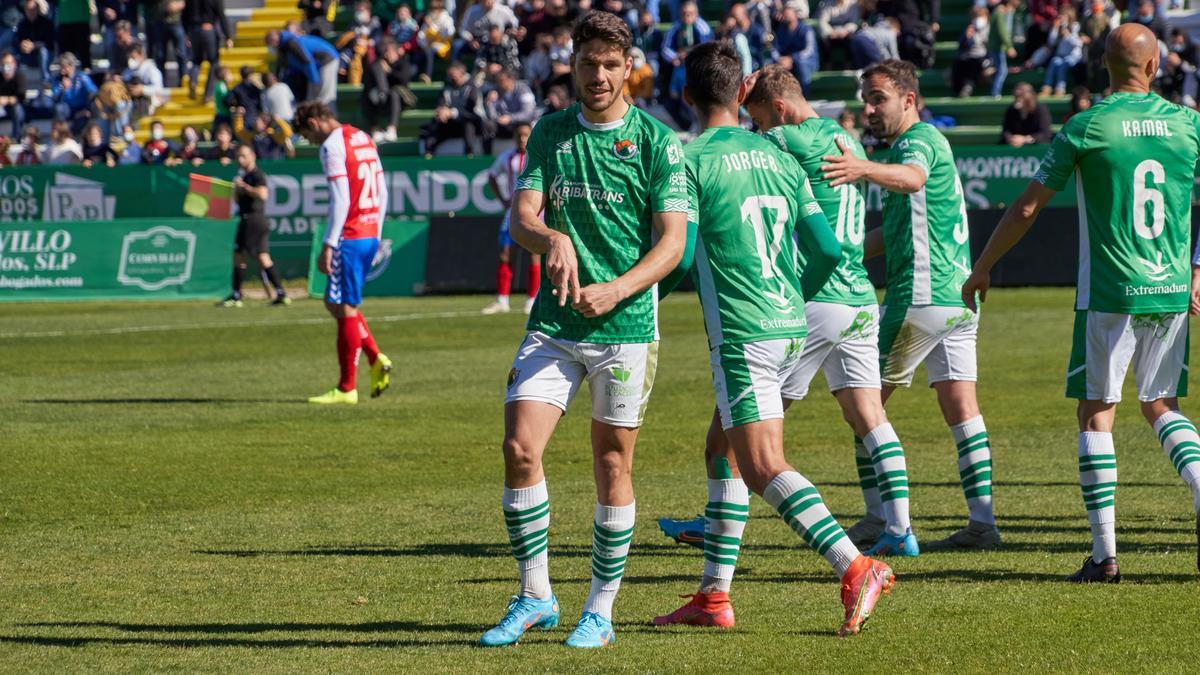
(1027, 120)
(158, 149)
(1147, 14)
(129, 150)
(12, 92)
(31, 148)
(972, 52)
(96, 150)
(147, 72)
(63, 148)
(639, 86)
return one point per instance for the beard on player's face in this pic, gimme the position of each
(600, 73)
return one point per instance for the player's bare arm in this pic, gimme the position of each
(528, 230)
(846, 168)
(660, 260)
(1012, 228)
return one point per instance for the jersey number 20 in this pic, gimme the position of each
(368, 176)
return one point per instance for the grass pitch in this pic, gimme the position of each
(168, 501)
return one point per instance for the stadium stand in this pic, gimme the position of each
(357, 31)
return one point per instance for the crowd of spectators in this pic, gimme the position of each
(504, 63)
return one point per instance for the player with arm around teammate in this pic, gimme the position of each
(927, 239)
(751, 198)
(357, 204)
(843, 326)
(1133, 156)
(608, 177)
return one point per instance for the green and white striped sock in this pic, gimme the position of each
(866, 479)
(611, 533)
(724, 521)
(975, 467)
(527, 518)
(1182, 444)
(801, 507)
(1098, 481)
(891, 474)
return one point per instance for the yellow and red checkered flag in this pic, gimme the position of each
(208, 197)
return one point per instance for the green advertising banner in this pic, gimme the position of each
(150, 258)
(298, 200)
(398, 268)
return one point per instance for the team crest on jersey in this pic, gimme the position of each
(674, 153)
(625, 149)
(513, 374)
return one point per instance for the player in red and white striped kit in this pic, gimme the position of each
(502, 178)
(357, 204)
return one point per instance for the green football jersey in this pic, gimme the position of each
(749, 196)
(1134, 157)
(602, 185)
(925, 233)
(844, 206)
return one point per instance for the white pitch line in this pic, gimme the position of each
(167, 328)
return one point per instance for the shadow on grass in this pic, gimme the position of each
(999, 485)
(225, 628)
(166, 400)
(49, 641)
(459, 550)
(977, 576)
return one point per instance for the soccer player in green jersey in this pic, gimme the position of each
(923, 318)
(608, 177)
(843, 325)
(751, 199)
(1133, 156)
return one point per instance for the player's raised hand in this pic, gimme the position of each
(597, 299)
(563, 269)
(844, 168)
(978, 282)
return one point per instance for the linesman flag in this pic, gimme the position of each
(208, 197)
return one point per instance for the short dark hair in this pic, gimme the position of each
(902, 74)
(608, 28)
(311, 110)
(773, 81)
(714, 73)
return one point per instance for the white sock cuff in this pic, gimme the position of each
(1166, 418)
(968, 428)
(527, 497)
(730, 490)
(1095, 443)
(783, 486)
(616, 517)
(884, 433)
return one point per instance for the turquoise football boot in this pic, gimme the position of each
(523, 614)
(591, 632)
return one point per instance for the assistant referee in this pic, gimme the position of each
(253, 233)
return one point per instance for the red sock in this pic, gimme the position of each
(368, 342)
(349, 343)
(504, 279)
(535, 278)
